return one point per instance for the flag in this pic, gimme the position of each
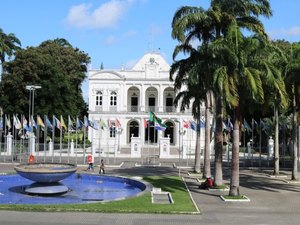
(48, 124)
(202, 123)
(102, 124)
(159, 126)
(70, 124)
(118, 124)
(32, 123)
(7, 122)
(25, 124)
(193, 125)
(153, 118)
(246, 126)
(1, 123)
(78, 123)
(109, 123)
(62, 123)
(17, 122)
(56, 122)
(40, 121)
(145, 123)
(186, 124)
(229, 126)
(254, 124)
(92, 124)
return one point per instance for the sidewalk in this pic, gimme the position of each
(273, 201)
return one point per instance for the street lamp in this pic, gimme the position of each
(31, 89)
(180, 148)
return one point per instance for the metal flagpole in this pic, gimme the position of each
(45, 136)
(100, 128)
(53, 136)
(60, 140)
(76, 137)
(84, 134)
(69, 124)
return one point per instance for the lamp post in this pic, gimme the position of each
(31, 89)
(180, 147)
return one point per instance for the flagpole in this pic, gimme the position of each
(260, 142)
(45, 137)
(5, 147)
(53, 136)
(37, 134)
(13, 143)
(69, 122)
(76, 140)
(60, 140)
(252, 143)
(100, 128)
(84, 134)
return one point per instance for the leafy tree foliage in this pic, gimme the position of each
(58, 68)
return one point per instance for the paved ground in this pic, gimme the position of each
(273, 202)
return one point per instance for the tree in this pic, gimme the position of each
(60, 70)
(187, 73)
(9, 43)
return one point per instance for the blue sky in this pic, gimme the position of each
(118, 32)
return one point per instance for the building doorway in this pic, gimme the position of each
(151, 133)
(169, 132)
(133, 130)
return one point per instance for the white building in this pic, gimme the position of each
(127, 96)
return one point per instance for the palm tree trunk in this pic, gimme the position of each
(207, 171)
(197, 168)
(276, 141)
(219, 143)
(235, 176)
(294, 141)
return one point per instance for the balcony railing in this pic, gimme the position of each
(99, 108)
(151, 108)
(113, 108)
(170, 109)
(133, 109)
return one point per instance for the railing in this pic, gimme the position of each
(133, 109)
(99, 108)
(170, 109)
(113, 108)
(151, 108)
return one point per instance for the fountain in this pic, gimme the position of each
(46, 177)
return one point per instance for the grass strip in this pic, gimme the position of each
(140, 204)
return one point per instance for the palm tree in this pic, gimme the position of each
(187, 73)
(9, 43)
(292, 70)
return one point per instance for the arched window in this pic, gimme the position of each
(99, 98)
(113, 98)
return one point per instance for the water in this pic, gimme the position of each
(83, 188)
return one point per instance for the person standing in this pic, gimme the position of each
(102, 167)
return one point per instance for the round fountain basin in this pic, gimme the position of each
(82, 188)
(46, 172)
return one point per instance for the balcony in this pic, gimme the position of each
(169, 109)
(99, 108)
(151, 108)
(113, 108)
(133, 109)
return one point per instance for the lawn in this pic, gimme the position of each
(140, 204)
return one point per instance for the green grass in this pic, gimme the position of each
(234, 197)
(140, 204)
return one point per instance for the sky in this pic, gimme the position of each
(117, 33)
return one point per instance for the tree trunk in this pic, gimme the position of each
(235, 176)
(219, 143)
(276, 141)
(294, 141)
(197, 168)
(207, 171)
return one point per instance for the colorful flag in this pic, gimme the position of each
(17, 122)
(62, 123)
(7, 122)
(229, 126)
(246, 126)
(193, 125)
(118, 124)
(56, 122)
(32, 123)
(1, 123)
(48, 124)
(145, 123)
(40, 121)
(70, 124)
(102, 124)
(78, 123)
(153, 118)
(186, 124)
(159, 126)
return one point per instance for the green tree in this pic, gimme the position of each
(9, 44)
(60, 70)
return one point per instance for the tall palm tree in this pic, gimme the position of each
(186, 72)
(9, 43)
(292, 70)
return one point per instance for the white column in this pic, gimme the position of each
(50, 147)
(9, 144)
(143, 99)
(72, 148)
(32, 144)
(160, 99)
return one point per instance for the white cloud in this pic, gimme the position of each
(130, 34)
(110, 40)
(105, 16)
(292, 31)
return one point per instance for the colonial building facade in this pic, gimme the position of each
(121, 100)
